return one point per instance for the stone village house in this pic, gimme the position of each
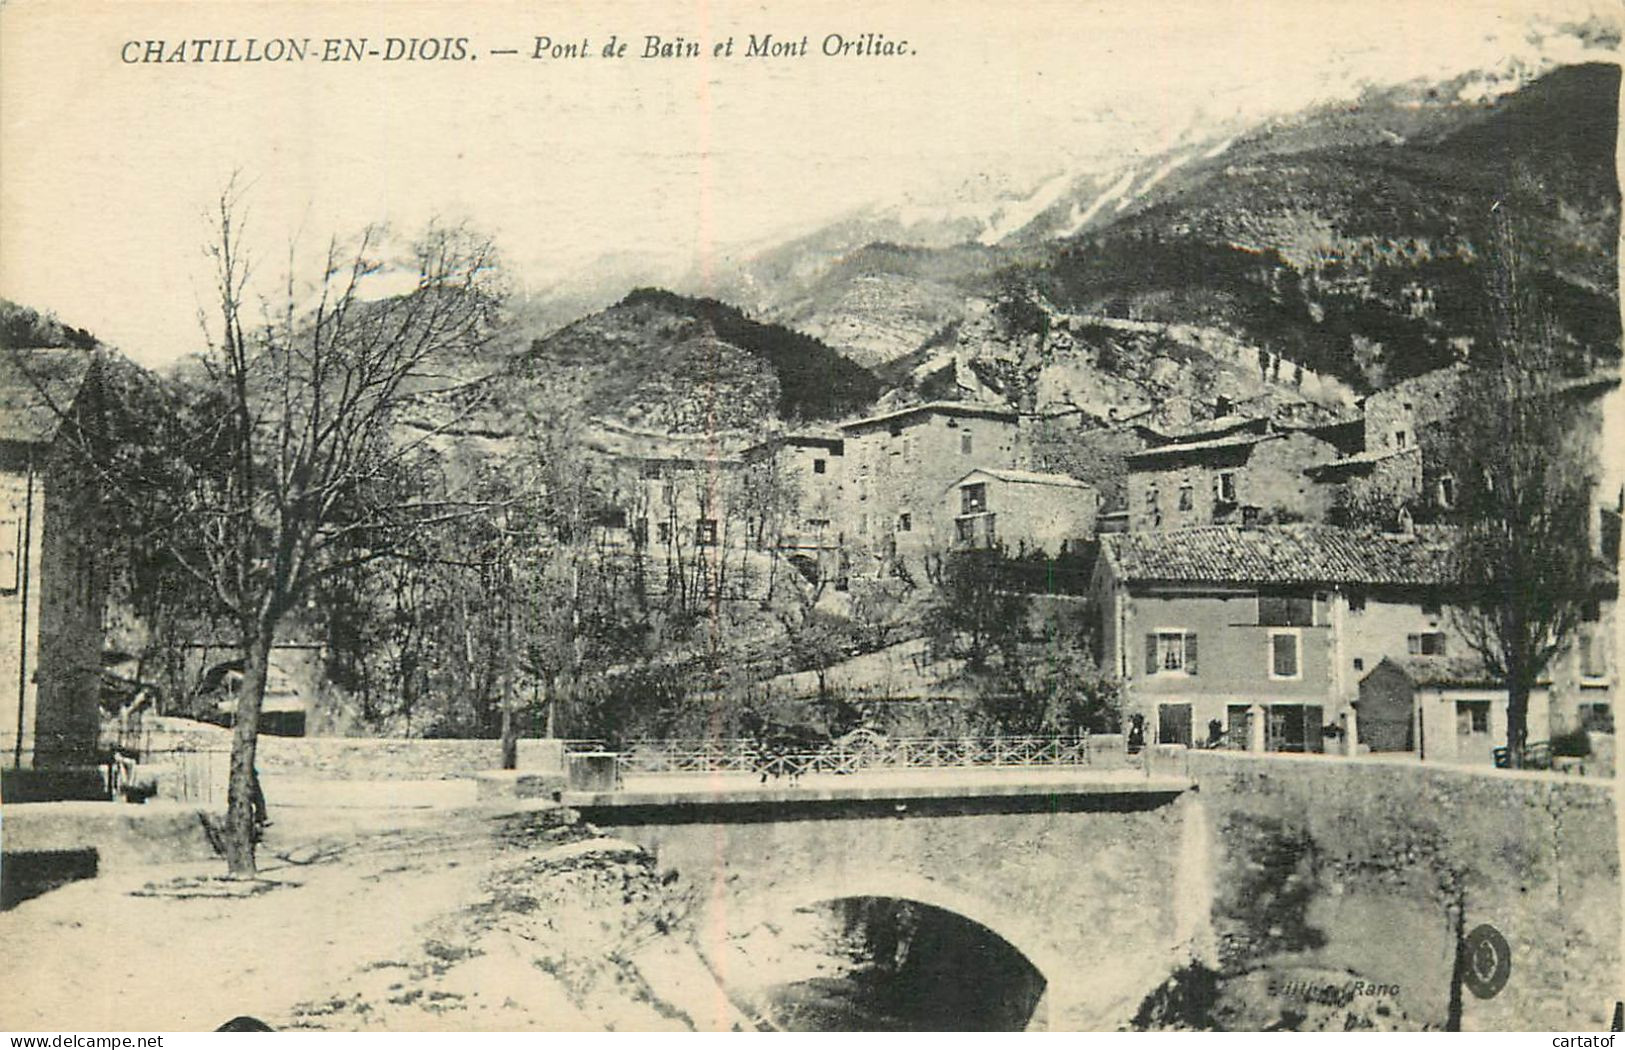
(53, 583)
(899, 464)
(1023, 509)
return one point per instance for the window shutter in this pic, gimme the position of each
(10, 544)
(1150, 654)
(1413, 642)
(1190, 653)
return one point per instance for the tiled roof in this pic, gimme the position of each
(1361, 459)
(1228, 441)
(944, 408)
(1465, 671)
(1460, 672)
(1028, 477)
(1205, 428)
(36, 385)
(1283, 554)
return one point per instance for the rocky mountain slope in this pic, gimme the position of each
(1369, 262)
(661, 361)
(1346, 239)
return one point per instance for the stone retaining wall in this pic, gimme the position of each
(1363, 865)
(356, 758)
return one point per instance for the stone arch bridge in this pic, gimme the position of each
(1095, 881)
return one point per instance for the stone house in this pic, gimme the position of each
(1415, 414)
(1021, 509)
(1375, 485)
(800, 505)
(1245, 474)
(53, 576)
(1406, 450)
(1585, 676)
(677, 515)
(1262, 629)
(899, 463)
(1442, 710)
(1271, 631)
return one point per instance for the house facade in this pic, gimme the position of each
(53, 580)
(1269, 635)
(1260, 629)
(1020, 509)
(797, 488)
(898, 465)
(1442, 710)
(1244, 476)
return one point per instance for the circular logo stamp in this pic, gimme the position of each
(1488, 961)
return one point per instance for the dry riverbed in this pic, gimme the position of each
(446, 920)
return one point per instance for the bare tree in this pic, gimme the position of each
(1522, 466)
(282, 462)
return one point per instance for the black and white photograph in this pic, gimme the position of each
(810, 517)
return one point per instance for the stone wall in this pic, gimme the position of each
(1363, 865)
(352, 758)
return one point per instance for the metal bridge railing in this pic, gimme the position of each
(861, 751)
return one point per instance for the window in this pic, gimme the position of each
(896, 430)
(1226, 488)
(820, 465)
(1596, 718)
(640, 531)
(1593, 655)
(705, 533)
(10, 543)
(1153, 506)
(973, 498)
(965, 529)
(663, 531)
(1428, 643)
(1284, 654)
(1472, 716)
(1401, 439)
(1359, 664)
(1590, 611)
(1286, 610)
(1356, 601)
(1170, 652)
(1447, 492)
(964, 444)
(905, 522)
(1187, 497)
(1249, 515)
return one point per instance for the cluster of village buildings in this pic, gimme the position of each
(1241, 605)
(1267, 580)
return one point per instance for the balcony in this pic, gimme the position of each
(974, 530)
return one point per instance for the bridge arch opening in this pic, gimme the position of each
(888, 963)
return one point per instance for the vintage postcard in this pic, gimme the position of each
(815, 516)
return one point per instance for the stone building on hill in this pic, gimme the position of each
(53, 578)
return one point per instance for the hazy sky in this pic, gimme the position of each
(106, 168)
